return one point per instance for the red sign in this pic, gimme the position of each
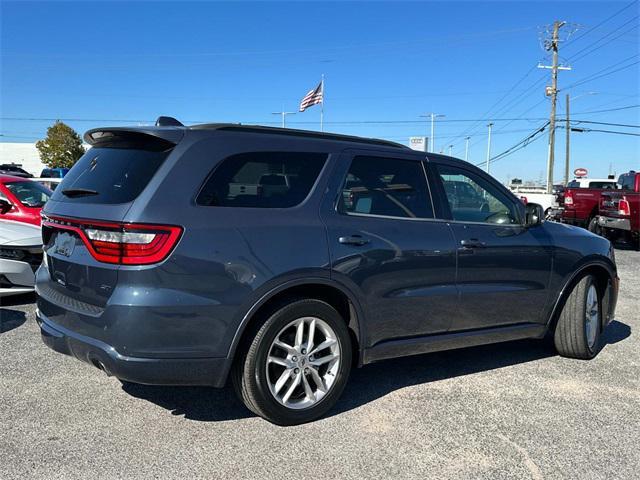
(580, 172)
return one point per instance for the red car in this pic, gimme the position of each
(22, 199)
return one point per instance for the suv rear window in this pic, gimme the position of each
(116, 175)
(262, 180)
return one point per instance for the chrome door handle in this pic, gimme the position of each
(472, 243)
(356, 240)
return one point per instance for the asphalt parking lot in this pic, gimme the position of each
(513, 410)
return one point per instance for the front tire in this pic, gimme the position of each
(296, 366)
(579, 326)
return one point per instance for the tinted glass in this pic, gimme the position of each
(387, 187)
(30, 194)
(573, 184)
(472, 199)
(602, 185)
(262, 180)
(118, 175)
(626, 181)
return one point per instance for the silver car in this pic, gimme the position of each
(20, 256)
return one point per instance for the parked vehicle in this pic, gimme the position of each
(54, 172)
(582, 201)
(22, 199)
(620, 209)
(157, 272)
(50, 183)
(20, 256)
(538, 194)
(14, 169)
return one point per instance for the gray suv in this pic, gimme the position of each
(280, 258)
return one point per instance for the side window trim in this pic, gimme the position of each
(441, 208)
(352, 155)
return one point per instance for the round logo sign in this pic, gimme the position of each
(580, 172)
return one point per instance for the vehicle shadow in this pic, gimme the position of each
(369, 383)
(16, 300)
(10, 319)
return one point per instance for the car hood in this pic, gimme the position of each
(19, 234)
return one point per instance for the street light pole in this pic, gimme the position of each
(489, 147)
(466, 149)
(568, 135)
(283, 114)
(433, 116)
(450, 149)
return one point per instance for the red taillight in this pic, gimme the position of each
(568, 198)
(122, 243)
(524, 200)
(624, 208)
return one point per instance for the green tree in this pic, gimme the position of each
(62, 147)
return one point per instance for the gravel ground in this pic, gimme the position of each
(513, 410)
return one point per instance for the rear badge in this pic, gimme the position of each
(64, 244)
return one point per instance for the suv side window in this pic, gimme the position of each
(387, 187)
(262, 180)
(473, 199)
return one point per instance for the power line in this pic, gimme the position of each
(518, 146)
(604, 72)
(346, 122)
(627, 107)
(587, 130)
(586, 49)
(600, 24)
(606, 123)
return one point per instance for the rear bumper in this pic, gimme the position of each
(149, 371)
(617, 223)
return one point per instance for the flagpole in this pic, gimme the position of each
(322, 106)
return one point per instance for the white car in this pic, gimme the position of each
(20, 256)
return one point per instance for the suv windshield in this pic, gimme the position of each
(30, 194)
(109, 175)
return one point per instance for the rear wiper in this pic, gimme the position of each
(78, 192)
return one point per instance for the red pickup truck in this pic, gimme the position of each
(582, 201)
(620, 209)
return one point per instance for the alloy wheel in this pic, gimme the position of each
(303, 363)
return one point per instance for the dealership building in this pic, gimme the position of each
(25, 154)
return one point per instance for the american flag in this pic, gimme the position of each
(314, 97)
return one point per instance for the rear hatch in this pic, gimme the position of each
(84, 237)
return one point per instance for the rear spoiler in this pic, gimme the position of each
(147, 138)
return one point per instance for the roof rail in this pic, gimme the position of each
(297, 133)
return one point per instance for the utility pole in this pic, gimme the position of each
(283, 114)
(566, 158)
(489, 146)
(450, 149)
(553, 92)
(466, 149)
(433, 116)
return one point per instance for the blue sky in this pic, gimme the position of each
(95, 63)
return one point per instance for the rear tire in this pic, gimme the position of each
(283, 374)
(579, 326)
(593, 226)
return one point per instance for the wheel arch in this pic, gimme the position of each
(335, 294)
(604, 272)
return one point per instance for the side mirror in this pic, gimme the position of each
(533, 214)
(5, 206)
